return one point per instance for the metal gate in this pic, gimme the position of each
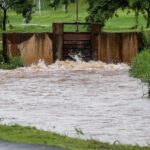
(77, 45)
(67, 45)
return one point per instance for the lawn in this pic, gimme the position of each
(43, 22)
(29, 135)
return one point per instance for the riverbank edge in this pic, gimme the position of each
(140, 67)
(31, 135)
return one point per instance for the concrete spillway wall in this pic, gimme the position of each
(101, 46)
(30, 46)
(118, 47)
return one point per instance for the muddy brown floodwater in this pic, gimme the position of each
(100, 99)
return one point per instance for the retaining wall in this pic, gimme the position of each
(106, 47)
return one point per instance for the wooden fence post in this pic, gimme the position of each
(95, 32)
(58, 30)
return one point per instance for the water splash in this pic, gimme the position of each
(76, 65)
(92, 65)
(76, 57)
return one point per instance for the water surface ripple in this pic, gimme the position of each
(100, 99)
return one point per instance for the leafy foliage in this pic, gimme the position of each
(101, 10)
(55, 3)
(146, 39)
(25, 8)
(141, 6)
(14, 63)
(140, 67)
(20, 6)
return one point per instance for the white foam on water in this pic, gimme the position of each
(75, 65)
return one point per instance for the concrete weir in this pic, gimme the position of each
(93, 45)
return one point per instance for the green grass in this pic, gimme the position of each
(14, 63)
(43, 23)
(124, 23)
(140, 67)
(29, 135)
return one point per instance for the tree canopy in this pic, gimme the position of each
(55, 3)
(101, 10)
(143, 7)
(20, 6)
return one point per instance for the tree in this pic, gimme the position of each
(141, 6)
(5, 5)
(101, 10)
(20, 6)
(65, 3)
(55, 3)
(24, 7)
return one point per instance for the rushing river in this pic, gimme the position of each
(100, 99)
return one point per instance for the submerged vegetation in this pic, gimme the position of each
(29, 135)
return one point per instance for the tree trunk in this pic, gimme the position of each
(4, 19)
(66, 8)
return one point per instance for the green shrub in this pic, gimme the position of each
(140, 67)
(14, 63)
(146, 39)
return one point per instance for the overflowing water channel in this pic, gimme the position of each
(99, 99)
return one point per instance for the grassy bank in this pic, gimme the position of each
(140, 67)
(123, 23)
(28, 135)
(14, 63)
(43, 22)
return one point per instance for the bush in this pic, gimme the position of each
(14, 63)
(140, 67)
(146, 39)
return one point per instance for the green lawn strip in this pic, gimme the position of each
(43, 22)
(140, 67)
(14, 62)
(29, 135)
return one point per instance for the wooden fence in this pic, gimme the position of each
(96, 45)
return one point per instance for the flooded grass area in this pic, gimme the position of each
(98, 99)
(28, 135)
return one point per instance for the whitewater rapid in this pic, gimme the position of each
(100, 99)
